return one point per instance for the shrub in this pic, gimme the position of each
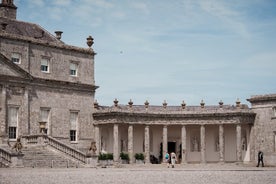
(139, 156)
(102, 156)
(105, 156)
(109, 156)
(124, 156)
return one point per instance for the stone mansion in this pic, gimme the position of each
(47, 87)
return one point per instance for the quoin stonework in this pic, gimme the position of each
(47, 91)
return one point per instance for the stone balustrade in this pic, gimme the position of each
(44, 139)
(5, 157)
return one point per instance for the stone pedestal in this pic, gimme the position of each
(92, 160)
(17, 160)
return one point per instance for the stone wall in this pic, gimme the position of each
(60, 59)
(265, 127)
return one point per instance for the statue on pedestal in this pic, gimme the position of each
(18, 145)
(93, 147)
(195, 144)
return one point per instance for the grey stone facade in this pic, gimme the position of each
(65, 87)
(25, 86)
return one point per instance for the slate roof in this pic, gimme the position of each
(27, 29)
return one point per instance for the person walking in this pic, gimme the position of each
(260, 158)
(167, 158)
(173, 159)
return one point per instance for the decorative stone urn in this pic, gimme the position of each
(90, 41)
(42, 126)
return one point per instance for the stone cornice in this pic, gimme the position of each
(262, 98)
(175, 118)
(37, 82)
(46, 43)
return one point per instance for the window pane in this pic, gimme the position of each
(73, 66)
(73, 120)
(44, 65)
(16, 57)
(72, 135)
(73, 69)
(44, 115)
(12, 116)
(12, 132)
(44, 62)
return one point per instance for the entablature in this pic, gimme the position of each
(236, 117)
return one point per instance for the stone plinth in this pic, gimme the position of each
(92, 160)
(17, 160)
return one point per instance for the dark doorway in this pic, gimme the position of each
(171, 147)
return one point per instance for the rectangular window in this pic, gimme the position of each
(12, 122)
(12, 132)
(274, 112)
(73, 126)
(73, 135)
(44, 117)
(45, 65)
(73, 69)
(16, 58)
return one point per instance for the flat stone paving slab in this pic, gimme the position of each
(142, 174)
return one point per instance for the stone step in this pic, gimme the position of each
(41, 156)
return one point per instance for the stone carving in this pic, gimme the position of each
(243, 143)
(18, 145)
(217, 145)
(93, 147)
(195, 144)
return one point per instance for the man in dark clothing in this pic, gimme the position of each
(260, 158)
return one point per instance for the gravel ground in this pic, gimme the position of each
(190, 174)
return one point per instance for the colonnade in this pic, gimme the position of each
(165, 140)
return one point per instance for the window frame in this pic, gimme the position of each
(12, 133)
(14, 125)
(42, 66)
(47, 129)
(274, 111)
(76, 65)
(75, 129)
(14, 56)
(73, 135)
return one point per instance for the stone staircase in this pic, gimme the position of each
(44, 151)
(45, 156)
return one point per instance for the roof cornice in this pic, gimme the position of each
(46, 43)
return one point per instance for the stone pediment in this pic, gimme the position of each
(9, 69)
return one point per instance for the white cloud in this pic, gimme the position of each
(229, 17)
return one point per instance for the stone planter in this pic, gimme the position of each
(124, 161)
(103, 162)
(139, 161)
(109, 162)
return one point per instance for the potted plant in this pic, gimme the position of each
(139, 158)
(109, 157)
(124, 158)
(103, 159)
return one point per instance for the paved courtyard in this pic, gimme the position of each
(143, 174)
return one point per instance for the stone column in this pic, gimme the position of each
(221, 143)
(183, 143)
(147, 145)
(116, 142)
(130, 143)
(239, 151)
(97, 139)
(165, 142)
(202, 143)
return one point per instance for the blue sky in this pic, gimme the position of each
(169, 50)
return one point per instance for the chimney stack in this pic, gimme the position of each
(8, 9)
(58, 34)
